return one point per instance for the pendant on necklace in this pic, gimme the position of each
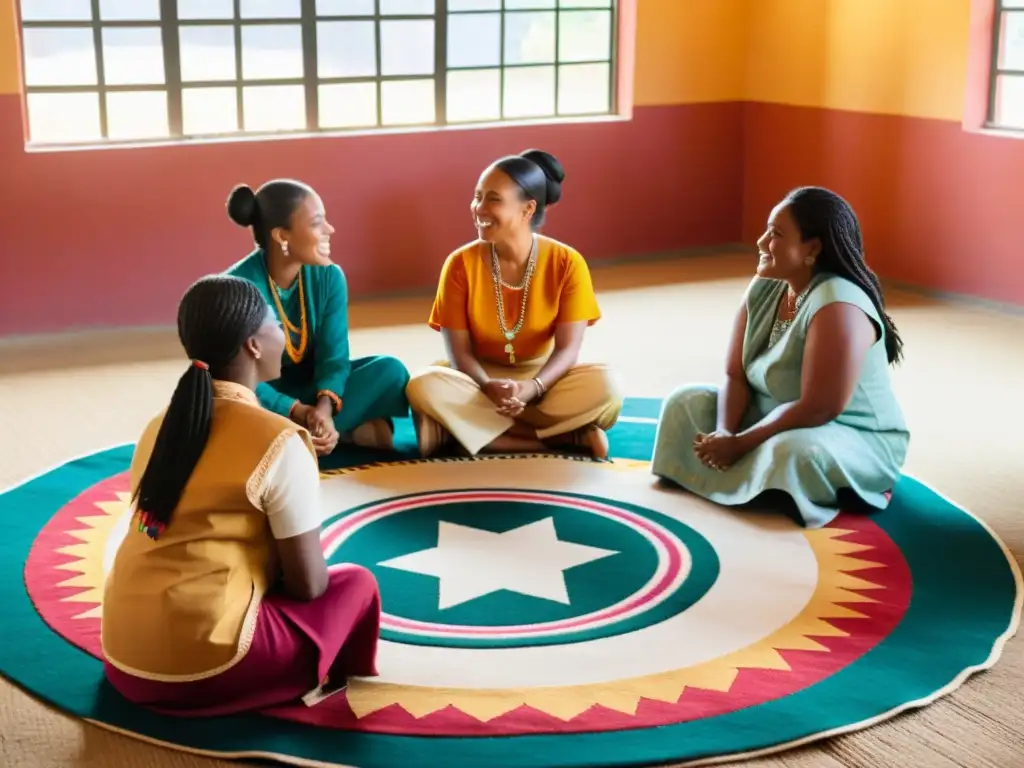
(508, 348)
(510, 335)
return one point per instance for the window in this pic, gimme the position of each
(1006, 102)
(130, 70)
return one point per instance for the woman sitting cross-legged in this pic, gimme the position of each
(807, 408)
(320, 387)
(219, 599)
(512, 308)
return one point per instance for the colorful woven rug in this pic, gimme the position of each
(553, 612)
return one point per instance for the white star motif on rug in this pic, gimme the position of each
(470, 562)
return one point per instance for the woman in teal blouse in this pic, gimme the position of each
(321, 387)
(807, 408)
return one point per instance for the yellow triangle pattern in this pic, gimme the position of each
(830, 600)
(835, 586)
(87, 564)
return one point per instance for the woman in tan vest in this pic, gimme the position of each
(219, 599)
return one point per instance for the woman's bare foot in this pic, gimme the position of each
(594, 440)
(590, 439)
(429, 434)
(507, 443)
(376, 433)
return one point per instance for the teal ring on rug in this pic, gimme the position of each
(396, 590)
(966, 604)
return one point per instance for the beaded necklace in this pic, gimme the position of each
(295, 354)
(510, 334)
(779, 327)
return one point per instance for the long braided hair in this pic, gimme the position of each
(216, 316)
(821, 213)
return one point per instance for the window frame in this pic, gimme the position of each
(173, 85)
(999, 14)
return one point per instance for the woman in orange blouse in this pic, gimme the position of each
(512, 307)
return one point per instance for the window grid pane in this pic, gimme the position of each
(1006, 94)
(156, 70)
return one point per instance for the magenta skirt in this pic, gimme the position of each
(295, 647)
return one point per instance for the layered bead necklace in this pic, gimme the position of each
(524, 286)
(779, 327)
(295, 354)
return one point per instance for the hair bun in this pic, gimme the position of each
(552, 170)
(242, 205)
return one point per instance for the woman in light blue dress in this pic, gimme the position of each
(807, 407)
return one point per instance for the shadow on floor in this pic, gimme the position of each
(101, 347)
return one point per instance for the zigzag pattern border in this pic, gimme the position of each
(456, 459)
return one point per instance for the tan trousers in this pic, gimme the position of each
(586, 394)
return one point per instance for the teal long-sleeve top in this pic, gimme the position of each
(325, 365)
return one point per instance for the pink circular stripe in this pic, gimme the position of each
(674, 567)
(336, 533)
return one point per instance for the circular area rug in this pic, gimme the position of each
(546, 611)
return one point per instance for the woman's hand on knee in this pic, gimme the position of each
(523, 394)
(719, 449)
(324, 445)
(320, 425)
(319, 422)
(499, 391)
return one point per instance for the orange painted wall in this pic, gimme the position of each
(113, 236)
(691, 51)
(868, 97)
(10, 68)
(892, 57)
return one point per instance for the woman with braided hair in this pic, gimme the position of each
(321, 387)
(807, 408)
(219, 599)
(512, 307)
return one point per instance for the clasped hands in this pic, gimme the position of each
(510, 396)
(319, 420)
(719, 449)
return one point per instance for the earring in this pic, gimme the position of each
(809, 261)
(284, 248)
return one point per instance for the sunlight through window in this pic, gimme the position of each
(157, 70)
(1006, 107)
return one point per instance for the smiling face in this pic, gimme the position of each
(308, 234)
(499, 212)
(784, 254)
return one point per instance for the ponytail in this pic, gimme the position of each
(215, 318)
(179, 444)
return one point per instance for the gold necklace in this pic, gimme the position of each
(294, 353)
(508, 333)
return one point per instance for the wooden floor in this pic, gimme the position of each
(962, 387)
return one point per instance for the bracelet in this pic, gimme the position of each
(541, 389)
(333, 398)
